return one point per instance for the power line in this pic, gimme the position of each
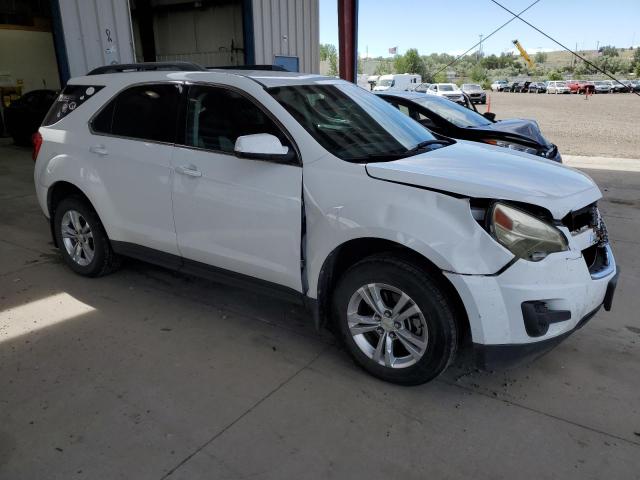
(484, 39)
(517, 15)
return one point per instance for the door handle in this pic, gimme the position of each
(98, 149)
(189, 170)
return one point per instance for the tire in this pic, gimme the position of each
(429, 327)
(95, 256)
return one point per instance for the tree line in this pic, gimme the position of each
(483, 69)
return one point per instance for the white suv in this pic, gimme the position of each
(313, 188)
(446, 90)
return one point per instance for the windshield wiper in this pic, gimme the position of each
(407, 153)
(422, 145)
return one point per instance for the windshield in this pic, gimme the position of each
(471, 86)
(352, 123)
(457, 114)
(387, 82)
(445, 87)
(561, 84)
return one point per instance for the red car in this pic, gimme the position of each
(581, 86)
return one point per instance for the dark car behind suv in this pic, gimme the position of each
(24, 116)
(449, 119)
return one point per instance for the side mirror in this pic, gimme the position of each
(489, 116)
(262, 146)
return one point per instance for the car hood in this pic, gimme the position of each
(528, 129)
(485, 171)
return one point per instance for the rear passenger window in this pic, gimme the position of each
(216, 117)
(145, 112)
(69, 99)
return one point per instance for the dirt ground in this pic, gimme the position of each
(604, 125)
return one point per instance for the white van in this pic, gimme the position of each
(399, 81)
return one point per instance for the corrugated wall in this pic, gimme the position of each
(96, 33)
(287, 27)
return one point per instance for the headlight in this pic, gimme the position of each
(524, 235)
(512, 146)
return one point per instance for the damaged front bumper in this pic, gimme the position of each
(529, 308)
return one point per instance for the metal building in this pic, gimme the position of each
(91, 33)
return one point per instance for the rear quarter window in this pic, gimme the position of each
(69, 99)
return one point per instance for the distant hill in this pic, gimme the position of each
(562, 58)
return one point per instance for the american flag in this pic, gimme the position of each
(393, 50)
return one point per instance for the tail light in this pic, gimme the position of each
(36, 139)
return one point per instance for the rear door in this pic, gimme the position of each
(237, 214)
(131, 142)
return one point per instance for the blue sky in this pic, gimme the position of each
(453, 26)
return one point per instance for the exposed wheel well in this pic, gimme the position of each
(355, 250)
(58, 192)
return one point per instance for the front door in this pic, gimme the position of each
(233, 213)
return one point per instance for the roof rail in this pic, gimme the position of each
(148, 67)
(274, 68)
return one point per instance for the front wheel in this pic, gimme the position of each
(395, 320)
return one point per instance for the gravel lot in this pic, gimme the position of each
(604, 125)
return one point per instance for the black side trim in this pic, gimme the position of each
(149, 255)
(488, 357)
(199, 269)
(611, 289)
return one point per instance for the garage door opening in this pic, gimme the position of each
(28, 68)
(210, 33)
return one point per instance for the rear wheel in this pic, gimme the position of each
(395, 320)
(82, 239)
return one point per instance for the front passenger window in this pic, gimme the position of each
(216, 117)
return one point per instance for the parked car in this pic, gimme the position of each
(449, 91)
(396, 81)
(557, 86)
(422, 87)
(629, 86)
(24, 116)
(581, 86)
(519, 87)
(602, 87)
(453, 120)
(475, 92)
(314, 189)
(616, 87)
(499, 86)
(537, 87)
(522, 87)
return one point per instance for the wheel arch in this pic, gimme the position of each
(352, 251)
(55, 194)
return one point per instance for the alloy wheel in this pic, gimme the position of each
(387, 325)
(77, 238)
